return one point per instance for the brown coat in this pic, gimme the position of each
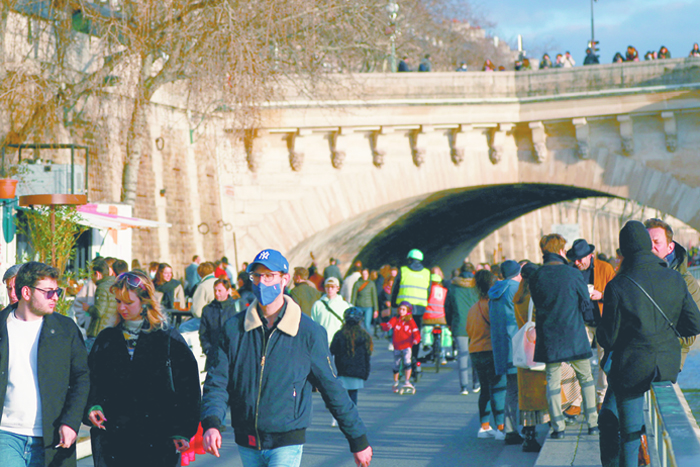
(532, 385)
(603, 273)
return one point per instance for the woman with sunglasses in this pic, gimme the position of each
(144, 384)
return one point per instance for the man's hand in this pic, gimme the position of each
(97, 418)
(67, 436)
(596, 296)
(181, 445)
(212, 441)
(363, 458)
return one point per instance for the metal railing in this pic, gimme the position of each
(673, 441)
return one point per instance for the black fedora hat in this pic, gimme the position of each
(579, 249)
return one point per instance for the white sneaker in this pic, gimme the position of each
(499, 435)
(484, 434)
(465, 392)
(334, 422)
(391, 347)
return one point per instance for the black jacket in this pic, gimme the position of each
(214, 316)
(356, 365)
(143, 405)
(560, 297)
(64, 381)
(645, 348)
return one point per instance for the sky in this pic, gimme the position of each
(555, 26)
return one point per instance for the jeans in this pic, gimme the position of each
(468, 376)
(512, 408)
(585, 379)
(21, 451)
(621, 423)
(368, 311)
(285, 456)
(483, 362)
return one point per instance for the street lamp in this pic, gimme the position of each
(392, 9)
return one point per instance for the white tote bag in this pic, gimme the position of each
(524, 345)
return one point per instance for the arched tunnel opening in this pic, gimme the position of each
(447, 225)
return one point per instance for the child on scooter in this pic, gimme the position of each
(406, 334)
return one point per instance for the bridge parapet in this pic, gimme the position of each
(507, 86)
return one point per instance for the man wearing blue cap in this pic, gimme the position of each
(268, 358)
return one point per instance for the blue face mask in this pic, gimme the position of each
(266, 294)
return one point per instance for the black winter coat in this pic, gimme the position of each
(63, 380)
(355, 365)
(559, 294)
(645, 348)
(144, 407)
(214, 316)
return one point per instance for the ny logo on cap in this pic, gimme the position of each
(264, 255)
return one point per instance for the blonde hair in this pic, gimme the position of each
(145, 292)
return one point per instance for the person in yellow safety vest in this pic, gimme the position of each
(412, 285)
(435, 311)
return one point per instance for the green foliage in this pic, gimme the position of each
(44, 240)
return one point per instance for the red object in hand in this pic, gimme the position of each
(196, 447)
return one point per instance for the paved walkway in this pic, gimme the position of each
(435, 428)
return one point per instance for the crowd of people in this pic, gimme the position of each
(271, 334)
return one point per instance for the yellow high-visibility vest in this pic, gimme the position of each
(414, 286)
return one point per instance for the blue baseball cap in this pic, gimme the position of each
(271, 259)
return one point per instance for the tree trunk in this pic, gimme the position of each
(136, 141)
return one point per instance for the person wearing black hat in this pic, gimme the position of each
(563, 307)
(647, 307)
(596, 274)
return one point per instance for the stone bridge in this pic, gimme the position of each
(381, 163)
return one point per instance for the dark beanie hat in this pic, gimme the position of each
(509, 269)
(634, 238)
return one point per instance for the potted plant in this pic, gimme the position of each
(9, 180)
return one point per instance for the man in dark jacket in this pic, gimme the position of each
(304, 292)
(268, 357)
(561, 299)
(43, 374)
(642, 340)
(676, 257)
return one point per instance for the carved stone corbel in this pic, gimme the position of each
(296, 155)
(626, 134)
(582, 137)
(539, 141)
(455, 137)
(417, 152)
(377, 153)
(496, 140)
(252, 153)
(671, 131)
(335, 142)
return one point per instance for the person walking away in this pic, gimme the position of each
(203, 295)
(191, 276)
(532, 385)
(563, 303)
(304, 292)
(364, 296)
(144, 384)
(406, 335)
(492, 397)
(664, 247)
(462, 295)
(352, 348)
(329, 309)
(425, 65)
(596, 274)
(647, 307)
(214, 315)
(44, 380)
(332, 270)
(263, 352)
(103, 314)
(503, 328)
(348, 283)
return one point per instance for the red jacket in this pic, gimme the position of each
(406, 333)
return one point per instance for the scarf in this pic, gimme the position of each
(130, 330)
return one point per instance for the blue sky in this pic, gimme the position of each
(559, 25)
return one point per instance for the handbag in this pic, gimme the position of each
(524, 345)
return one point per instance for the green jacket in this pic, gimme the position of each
(103, 313)
(305, 295)
(367, 297)
(461, 296)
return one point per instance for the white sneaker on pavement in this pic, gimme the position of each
(484, 434)
(391, 347)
